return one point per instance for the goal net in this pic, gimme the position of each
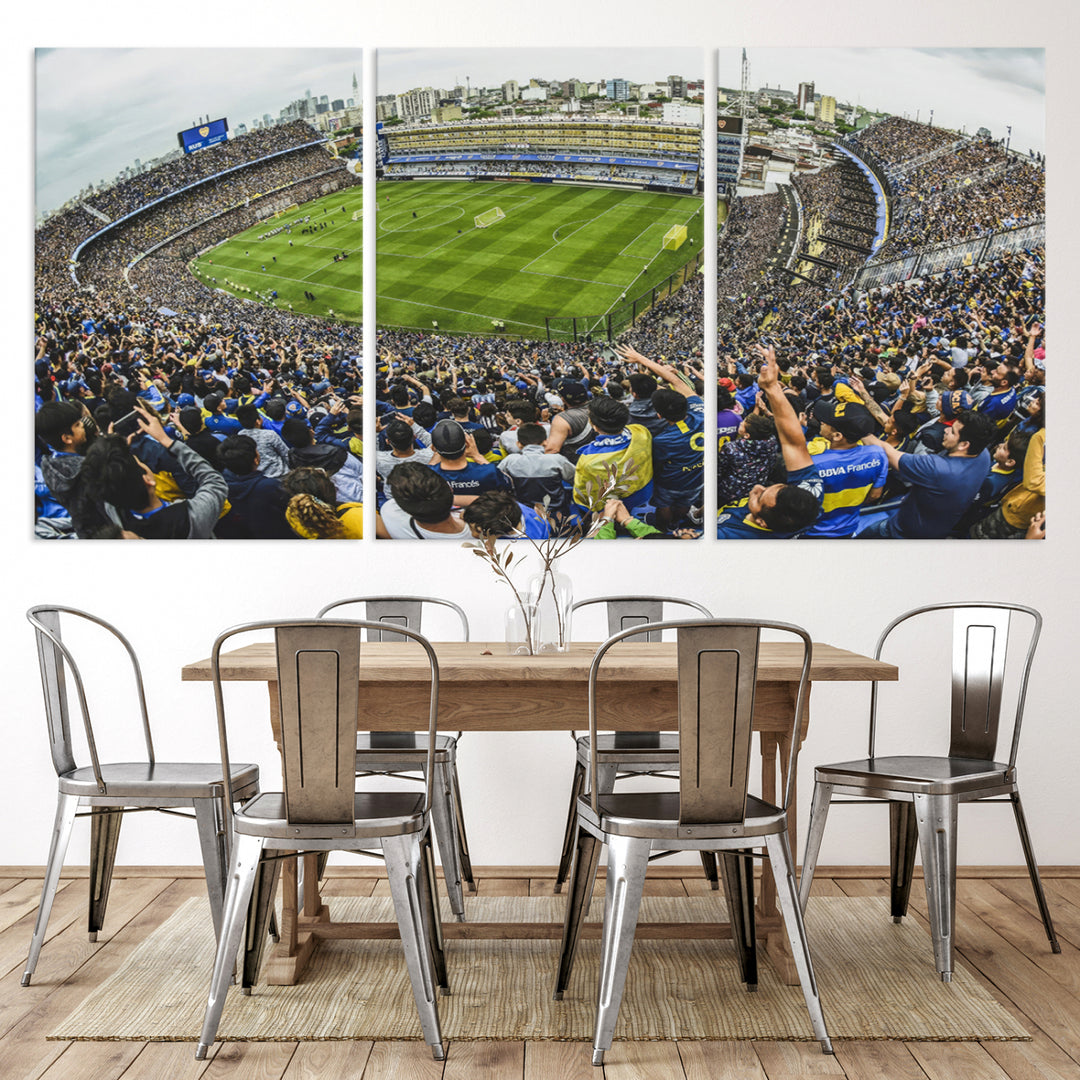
(488, 217)
(674, 238)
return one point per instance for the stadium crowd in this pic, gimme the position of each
(491, 169)
(913, 410)
(949, 188)
(132, 194)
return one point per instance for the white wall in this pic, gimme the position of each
(173, 599)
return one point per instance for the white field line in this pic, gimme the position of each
(483, 193)
(437, 247)
(559, 239)
(600, 320)
(456, 311)
(387, 230)
(281, 277)
(648, 228)
(584, 281)
(591, 221)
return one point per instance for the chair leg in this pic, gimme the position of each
(442, 818)
(403, 868)
(66, 806)
(1033, 871)
(577, 789)
(260, 917)
(936, 819)
(708, 864)
(212, 841)
(738, 872)
(903, 840)
(606, 775)
(105, 822)
(582, 879)
(246, 855)
(783, 871)
(429, 898)
(464, 858)
(627, 863)
(819, 811)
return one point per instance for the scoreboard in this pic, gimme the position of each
(199, 138)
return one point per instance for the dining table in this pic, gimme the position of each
(485, 687)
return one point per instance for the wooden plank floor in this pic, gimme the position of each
(998, 934)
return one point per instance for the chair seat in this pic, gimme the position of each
(624, 746)
(922, 775)
(161, 781)
(655, 814)
(376, 813)
(389, 748)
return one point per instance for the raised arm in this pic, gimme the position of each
(788, 428)
(662, 371)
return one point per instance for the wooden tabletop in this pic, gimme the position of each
(465, 662)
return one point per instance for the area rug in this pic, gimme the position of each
(876, 979)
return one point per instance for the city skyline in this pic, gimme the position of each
(965, 88)
(490, 67)
(134, 101)
(97, 110)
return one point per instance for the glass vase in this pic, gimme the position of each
(552, 593)
(520, 623)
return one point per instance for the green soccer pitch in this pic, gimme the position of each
(559, 251)
(246, 266)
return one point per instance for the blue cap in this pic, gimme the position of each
(185, 401)
(294, 408)
(954, 402)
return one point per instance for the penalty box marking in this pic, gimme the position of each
(524, 199)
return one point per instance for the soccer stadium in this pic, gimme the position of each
(540, 304)
(560, 225)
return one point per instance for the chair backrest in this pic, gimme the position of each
(980, 639)
(56, 661)
(624, 612)
(406, 611)
(717, 675)
(318, 676)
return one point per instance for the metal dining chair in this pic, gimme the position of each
(711, 811)
(401, 754)
(320, 810)
(627, 753)
(112, 789)
(924, 792)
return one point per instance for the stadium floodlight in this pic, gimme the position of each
(488, 217)
(674, 238)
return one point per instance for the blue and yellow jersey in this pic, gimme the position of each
(678, 456)
(848, 476)
(733, 522)
(630, 454)
(999, 405)
(997, 483)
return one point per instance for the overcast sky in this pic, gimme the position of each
(403, 69)
(99, 109)
(975, 88)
